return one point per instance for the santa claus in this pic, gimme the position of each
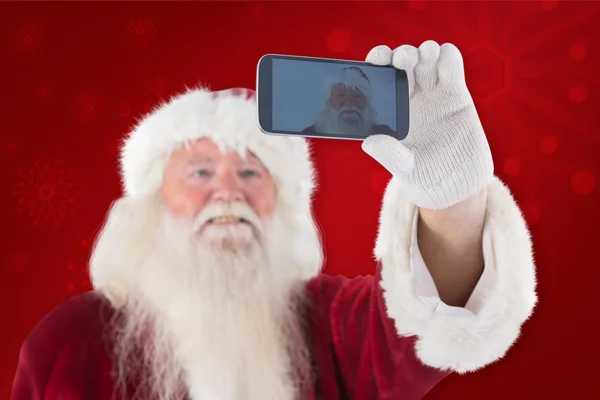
(348, 109)
(207, 273)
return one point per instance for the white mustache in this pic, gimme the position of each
(350, 108)
(239, 210)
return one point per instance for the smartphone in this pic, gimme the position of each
(328, 98)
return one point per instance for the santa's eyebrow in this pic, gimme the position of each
(254, 157)
(252, 160)
(199, 159)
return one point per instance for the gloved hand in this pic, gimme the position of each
(446, 157)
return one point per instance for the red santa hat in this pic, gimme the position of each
(353, 77)
(228, 118)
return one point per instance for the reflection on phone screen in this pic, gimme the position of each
(333, 99)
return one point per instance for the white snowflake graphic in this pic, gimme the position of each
(45, 194)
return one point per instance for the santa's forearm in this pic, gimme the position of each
(450, 241)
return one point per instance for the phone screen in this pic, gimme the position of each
(331, 98)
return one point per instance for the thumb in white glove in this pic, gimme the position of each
(390, 153)
(446, 157)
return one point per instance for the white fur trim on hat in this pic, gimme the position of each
(352, 77)
(228, 118)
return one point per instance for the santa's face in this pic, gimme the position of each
(230, 197)
(349, 102)
(347, 112)
(209, 269)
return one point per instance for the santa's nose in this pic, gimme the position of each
(354, 102)
(227, 189)
(226, 195)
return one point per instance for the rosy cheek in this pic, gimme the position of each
(184, 201)
(263, 201)
(195, 200)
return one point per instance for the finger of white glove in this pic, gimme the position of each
(390, 153)
(426, 72)
(380, 55)
(405, 58)
(451, 72)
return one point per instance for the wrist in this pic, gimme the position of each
(460, 222)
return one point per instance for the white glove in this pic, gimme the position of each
(446, 157)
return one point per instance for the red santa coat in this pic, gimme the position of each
(356, 350)
(376, 129)
(371, 338)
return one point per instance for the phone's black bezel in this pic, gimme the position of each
(264, 93)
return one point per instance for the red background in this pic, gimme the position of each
(76, 75)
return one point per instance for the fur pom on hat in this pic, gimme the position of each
(228, 118)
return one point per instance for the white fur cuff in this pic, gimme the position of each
(461, 343)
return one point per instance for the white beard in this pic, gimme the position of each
(202, 321)
(329, 121)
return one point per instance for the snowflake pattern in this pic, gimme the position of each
(28, 39)
(156, 91)
(87, 107)
(45, 194)
(141, 30)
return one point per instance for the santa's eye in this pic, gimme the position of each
(201, 173)
(249, 173)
